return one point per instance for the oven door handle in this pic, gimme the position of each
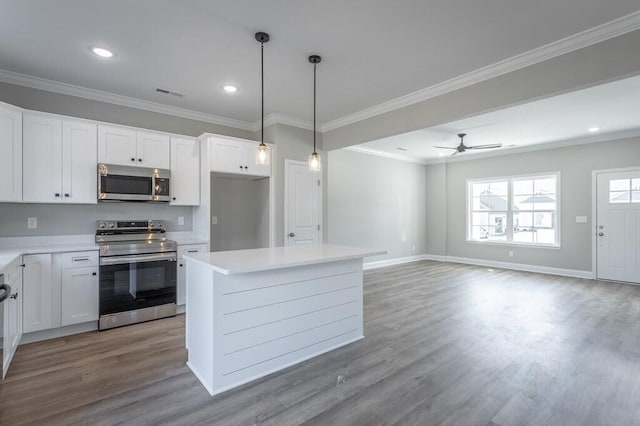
(138, 258)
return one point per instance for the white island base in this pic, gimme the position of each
(253, 312)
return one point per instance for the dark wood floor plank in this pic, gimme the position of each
(444, 344)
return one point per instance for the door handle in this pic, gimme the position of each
(601, 234)
(292, 234)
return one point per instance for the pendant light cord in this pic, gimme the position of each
(262, 89)
(314, 108)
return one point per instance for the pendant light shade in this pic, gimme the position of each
(315, 164)
(263, 154)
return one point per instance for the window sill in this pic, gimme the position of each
(515, 244)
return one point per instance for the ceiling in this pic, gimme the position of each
(373, 50)
(611, 107)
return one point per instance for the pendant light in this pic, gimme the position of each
(262, 153)
(314, 159)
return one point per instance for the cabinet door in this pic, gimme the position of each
(116, 145)
(185, 172)
(226, 156)
(153, 150)
(12, 325)
(79, 162)
(252, 168)
(79, 295)
(42, 159)
(37, 292)
(10, 153)
(182, 250)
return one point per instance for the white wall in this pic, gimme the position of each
(377, 203)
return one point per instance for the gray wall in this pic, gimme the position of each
(436, 219)
(609, 60)
(377, 202)
(575, 165)
(56, 219)
(242, 210)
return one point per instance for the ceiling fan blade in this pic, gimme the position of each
(455, 153)
(445, 147)
(497, 145)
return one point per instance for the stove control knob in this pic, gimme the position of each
(112, 225)
(101, 225)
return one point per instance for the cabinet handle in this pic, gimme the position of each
(66, 195)
(245, 167)
(133, 159)
(57, 194)
(80, 259)
(181, 265)
(240, 166)
(94, 273)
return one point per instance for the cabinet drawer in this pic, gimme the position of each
(79, 259)
(192, 248)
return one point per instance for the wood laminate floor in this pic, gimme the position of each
(445, 344)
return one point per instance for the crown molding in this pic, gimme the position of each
(276, 118)
(375, 152)
(112, 98)
(617, 27)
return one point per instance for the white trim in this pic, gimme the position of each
(623, 25)
(375, 152)
(52, 333)
(397, 261)
(575, 273)
(320, 231)
(112, 98)
(276, 118)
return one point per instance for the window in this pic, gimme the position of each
(624, 191)
(520, 210)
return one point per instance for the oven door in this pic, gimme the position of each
(138, 281)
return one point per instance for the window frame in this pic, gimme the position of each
(510, 212)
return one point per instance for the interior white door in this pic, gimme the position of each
(618, 226)
(302, 204)
(42, 159)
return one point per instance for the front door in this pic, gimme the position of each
(302, 204)
(618, 226)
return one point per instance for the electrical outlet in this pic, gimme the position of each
(180, 220)
(214, 220)
(510, 253)
(32, 222)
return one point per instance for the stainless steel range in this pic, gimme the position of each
(137, 272)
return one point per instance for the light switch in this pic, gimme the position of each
(581, 219)
(214, 220)
(180, 220)
(32, 222)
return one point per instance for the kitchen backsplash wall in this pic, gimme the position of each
(80, 219)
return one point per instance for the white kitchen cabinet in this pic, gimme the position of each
(128, 147)
(60, 158)
(237, 157)
(79, 298)
(12, 325)
(153, 150)
(117, 145)
(182, 250)
(10, 153)
(37, 290)
(185, 172)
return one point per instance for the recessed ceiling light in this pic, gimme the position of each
(593, 129)
(229, 88)
(442, 154)
(102, 52)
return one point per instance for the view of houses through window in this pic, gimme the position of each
(624, 191)
(517, 209)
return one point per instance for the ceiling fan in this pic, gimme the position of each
(462, 147)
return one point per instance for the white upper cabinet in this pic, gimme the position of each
(60, 158)
(128, 147)
(117, 145)
(238, 157)
(185, 172)
(10, 153)
(153, 150)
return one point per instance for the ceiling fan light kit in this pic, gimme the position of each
(463, 148)
(262, 153)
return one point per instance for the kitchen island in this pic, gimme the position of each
(253, 312)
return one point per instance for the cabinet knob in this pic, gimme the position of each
(174, 198)
(57, 194)
(140, 160)
(291, 234)
(245, 167)
(133, 159)
(181, 265)
(66, 195)
(94, 273)
(240, 166)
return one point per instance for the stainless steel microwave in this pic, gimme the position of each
(126, 183)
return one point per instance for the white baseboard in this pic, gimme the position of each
(37, 336)
(397, 261)
(575, 273)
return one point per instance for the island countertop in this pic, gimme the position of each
(255, 260)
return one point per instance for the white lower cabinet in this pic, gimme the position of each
(59, 289)
(182, 250)
(79, 302)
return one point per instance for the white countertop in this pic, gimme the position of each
(242, 261)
